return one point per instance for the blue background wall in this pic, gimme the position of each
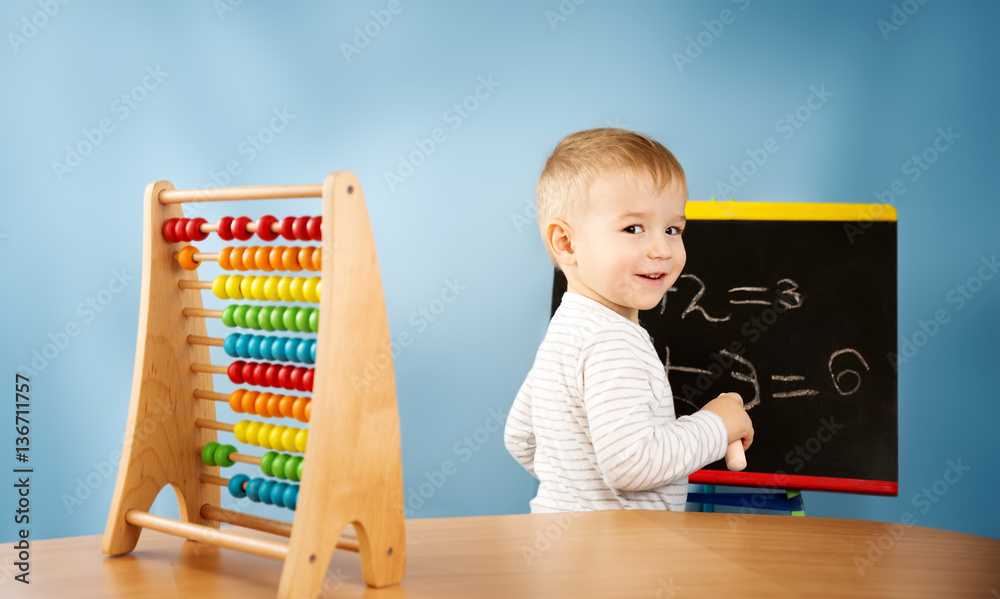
(459, 218)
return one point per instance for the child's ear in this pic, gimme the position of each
(559, 236)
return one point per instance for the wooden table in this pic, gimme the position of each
(595, 554)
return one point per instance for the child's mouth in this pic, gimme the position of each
(656, 276)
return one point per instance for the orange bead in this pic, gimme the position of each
(234, 400)
(224, 262)
(185, 257)
(248, 401)
(273, 403)
(236, 257)
(299, 408)
(290, 259)
(260, 404)
(318, 259)
(250, 257)
(285, 406)
(309, 409)
(276, 254)
(306, 258)
(263, 258)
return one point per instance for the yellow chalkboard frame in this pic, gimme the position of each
(714, 210)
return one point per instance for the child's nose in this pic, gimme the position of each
(660, 247)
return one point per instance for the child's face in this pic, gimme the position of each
(627, 243)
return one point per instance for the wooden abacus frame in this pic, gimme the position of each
(353, 473)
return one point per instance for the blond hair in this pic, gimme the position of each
(583, 156)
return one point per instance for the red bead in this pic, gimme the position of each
(273, 370)
(239, 228)
(260, 373)
(193, 229)
(264, 228)
(315, 228)
(300, 228)
(235, 372)
(307, 379)
(168, 230)
(247, 372)
(180, 229)
(286, 228)
(225, 231)
(296, 378)
(283, 377)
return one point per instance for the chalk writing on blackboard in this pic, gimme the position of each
(786, 295)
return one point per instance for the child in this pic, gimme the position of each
(594, 420)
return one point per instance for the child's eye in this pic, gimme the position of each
(674, 231)
(632, 229)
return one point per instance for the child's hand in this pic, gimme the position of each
(729, 406)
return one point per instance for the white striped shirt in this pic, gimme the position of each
(594, 420)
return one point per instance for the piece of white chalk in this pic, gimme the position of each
(736, 459)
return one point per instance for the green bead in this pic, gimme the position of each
(289, 318)
(314, 320)
(265, 462)
(208, 453)
(252, 314)
(278, 465)
(302, 320)
(264, 318)
(222, 455)
(240, 315)
(278, 318)
(298, 469)
(292, 467)
(227, 315)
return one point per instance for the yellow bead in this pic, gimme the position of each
(296, 289)
(258, 288)
(240, 430)
(300, 440)
(284, 289)
(233, 287)
(319, 291)
(271, 288)
(246, 287)
(219, 286)
(251, 433)
(277, 435)
(312, 289)
(264, 436)
(288, 438)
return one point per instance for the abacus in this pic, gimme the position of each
(353, 474)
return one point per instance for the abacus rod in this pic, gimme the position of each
(276, 527)
(207, 535)
(201, 313)
(202, 394)
(189, 284)
(202, 257)
(209, 368)
(200, 340)
(214, 424)
(276, 192)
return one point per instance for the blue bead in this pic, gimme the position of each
(312, 351)
(254, 346)
(236, 486)
(265, 348)
(292, 347)
(278, 494)
(302, 353)
(291, 497)
(278, 349)
(241, 346)
(265, 491)
(253, 489)
(229, 345)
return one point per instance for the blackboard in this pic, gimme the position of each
(793, 306)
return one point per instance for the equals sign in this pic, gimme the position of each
(792, 379)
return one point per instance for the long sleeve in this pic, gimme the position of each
(637, 448)
(519, 435)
